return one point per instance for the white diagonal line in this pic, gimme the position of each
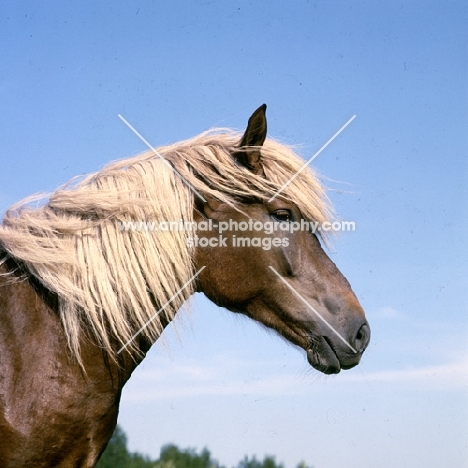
(140, 136)
(312, 158)
(161, 309)
(313, 310)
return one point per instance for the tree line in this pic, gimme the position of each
(117, 455)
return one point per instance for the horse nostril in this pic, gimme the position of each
(362, 338)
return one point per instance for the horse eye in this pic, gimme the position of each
(283, 216)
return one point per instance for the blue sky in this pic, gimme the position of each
(399, 170)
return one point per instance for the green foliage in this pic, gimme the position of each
(171, 455)
(268, 462)
(117, 455)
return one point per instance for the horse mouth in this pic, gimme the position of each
(322, 356)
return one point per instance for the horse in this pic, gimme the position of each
(86, 287)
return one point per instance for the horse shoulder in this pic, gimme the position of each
(52, 413)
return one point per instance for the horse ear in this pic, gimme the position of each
(254, 137)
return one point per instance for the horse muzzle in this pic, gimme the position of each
(332, 352)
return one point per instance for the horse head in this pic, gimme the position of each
(279, 277)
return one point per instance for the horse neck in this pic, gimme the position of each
(24, 300)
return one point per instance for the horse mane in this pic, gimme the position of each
(110, 282)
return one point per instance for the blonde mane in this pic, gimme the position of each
(110, 282)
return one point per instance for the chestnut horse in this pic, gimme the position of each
(90, 277)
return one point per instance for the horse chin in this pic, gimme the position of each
(323, 357)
